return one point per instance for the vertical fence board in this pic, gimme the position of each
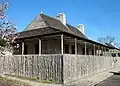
(59, 68)
(86, 65)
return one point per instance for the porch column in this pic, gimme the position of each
(85, 48)
(108, 51)
(62, 44)
(70, 47)
(23, 47)
(94, 49)
(39, 46)
(102, 51)
(113, 51)
(76, 46)
(98, 51)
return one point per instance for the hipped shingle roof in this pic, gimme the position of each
(44, 24)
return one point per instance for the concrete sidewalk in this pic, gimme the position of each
(113, 80)
(94, 79)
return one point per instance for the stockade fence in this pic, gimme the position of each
(57, 68)
(44, 67)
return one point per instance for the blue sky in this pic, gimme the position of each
(100, 17)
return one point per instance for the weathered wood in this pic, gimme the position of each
(62, 44)
(98, 51)
(59, 68)
(76, 46)
(102, 50)
(23, 48)
(94, 48)
(85, 47)
(80, 66)
(40, 46)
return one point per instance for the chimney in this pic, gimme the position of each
(80, 27)
(61, 17)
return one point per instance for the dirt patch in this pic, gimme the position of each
(5, 83)
(10, 82)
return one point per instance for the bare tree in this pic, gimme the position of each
(107, 39)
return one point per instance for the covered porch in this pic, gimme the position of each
(60, 44)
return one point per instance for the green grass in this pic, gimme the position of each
(36, 79)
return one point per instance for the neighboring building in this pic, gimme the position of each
(47, 35)
(114, 51)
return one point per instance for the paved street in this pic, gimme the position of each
(114, 80)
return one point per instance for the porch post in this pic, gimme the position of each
(76, 46)
(113, 52)
(94, 49)
(39, 46)
(109, 51)
(85, 48)
(98, 51)
(62, 44)
(102, 51)
(23, 47)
